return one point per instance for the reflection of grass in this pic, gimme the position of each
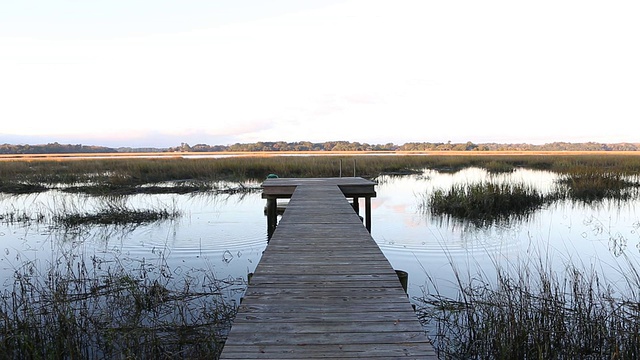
(532, 313)
(486, 202)
(90, 310)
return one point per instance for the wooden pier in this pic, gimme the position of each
(323, 288)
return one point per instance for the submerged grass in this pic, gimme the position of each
(531, 312)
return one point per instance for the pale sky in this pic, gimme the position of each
(161, 72)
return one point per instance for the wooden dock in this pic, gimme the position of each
(323, 288)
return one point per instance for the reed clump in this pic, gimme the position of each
(593, 186)
(533, 313)
(486, 202)
(490, 201)
(115, 216)
(110, 211)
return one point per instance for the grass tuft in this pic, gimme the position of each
(485, 203)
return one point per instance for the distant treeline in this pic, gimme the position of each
(56, 148)
(413, 146)
(53, 148)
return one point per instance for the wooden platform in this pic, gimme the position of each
(323, 289)
(351, 187)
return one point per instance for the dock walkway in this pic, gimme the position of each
(323, 289)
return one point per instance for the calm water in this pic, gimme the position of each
(226, 234)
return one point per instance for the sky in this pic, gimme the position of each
(157, 73)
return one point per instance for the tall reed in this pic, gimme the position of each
(79, 308)
(532, 312)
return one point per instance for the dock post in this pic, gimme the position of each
(272, 215)
(403, 276)
(367, 209)
(356, 205)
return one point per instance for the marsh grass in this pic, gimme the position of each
(18, 188)
(532, 312)
(485, 203)
(591, 186)
(126, 174)
(173, 187)
(72, 215)
(115, 216)
(491, 201)
(91, 309)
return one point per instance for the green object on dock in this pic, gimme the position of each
(272, 176)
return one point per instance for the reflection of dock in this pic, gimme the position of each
(323, 288)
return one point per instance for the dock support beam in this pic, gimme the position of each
(272, 215)
(356, 205)
(367, 209)
(356, 208)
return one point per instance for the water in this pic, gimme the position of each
(226, 234)
(603, 236)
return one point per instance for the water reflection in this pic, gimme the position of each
(603, 234)
(224, 233)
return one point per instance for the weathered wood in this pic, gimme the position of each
(323, 288)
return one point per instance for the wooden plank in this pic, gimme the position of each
(304, 291)
(294, 338)
(323, 288)
(359, 317)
